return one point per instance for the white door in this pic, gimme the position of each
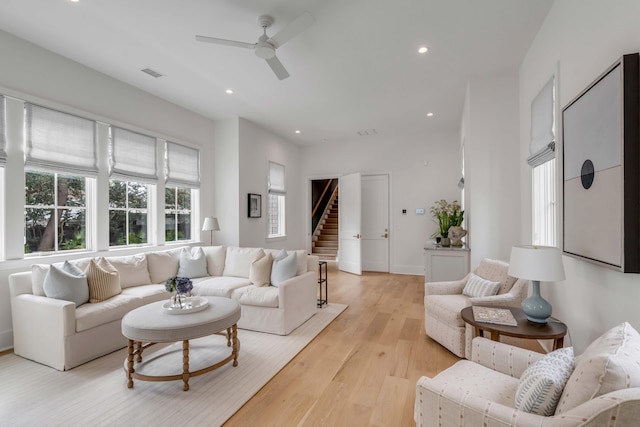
(349, 224)
(375, 223)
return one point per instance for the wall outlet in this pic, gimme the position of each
(419, 211)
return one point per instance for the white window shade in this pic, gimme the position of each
(183, 166)
(276, 179)
(542, 144)
(61, 142)
(3, 149)
(133, 156)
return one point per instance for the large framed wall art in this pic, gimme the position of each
(601, 173)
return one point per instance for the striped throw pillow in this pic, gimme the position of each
(542, 383)
(478, 287)
(103, 279)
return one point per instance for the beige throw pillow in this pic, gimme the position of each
(133, 270)
(260, 271)
(103, 279)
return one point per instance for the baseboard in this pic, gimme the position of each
(6, 340)
(415, 270)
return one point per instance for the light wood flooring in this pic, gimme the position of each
(363, 368)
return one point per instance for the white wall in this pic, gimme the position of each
(412, 184)
(581, 39)
(227, 181)
(31, 73)
(490, 132)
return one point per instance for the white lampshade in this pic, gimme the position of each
(542, 263)
(210, 224)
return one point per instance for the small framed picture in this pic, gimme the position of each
(255, 205)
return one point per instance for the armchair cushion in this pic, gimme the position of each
(478, 287)
(542, 383)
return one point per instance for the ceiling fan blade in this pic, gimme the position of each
(225, 42)
(293, 28)
(277, 67)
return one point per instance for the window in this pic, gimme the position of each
(60, 156)
(55, 212)
(177, 217)
(3, 152)
(133, 166)
(277, 195)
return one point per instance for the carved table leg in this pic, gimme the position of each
(130, 364)
(228, 337)
(234, 339)
(185, 364)
(139, 351)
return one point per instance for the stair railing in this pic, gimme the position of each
(334, 194)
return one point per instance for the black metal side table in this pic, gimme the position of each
(322, 279)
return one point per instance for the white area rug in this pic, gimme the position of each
(96, 393)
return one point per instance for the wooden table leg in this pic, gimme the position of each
(185, 364)
(236, 346)
(228, 337)
(558, 343)
(130, 364)
(495, 336)
(139, 351)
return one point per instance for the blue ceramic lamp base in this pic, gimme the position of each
(536, 308)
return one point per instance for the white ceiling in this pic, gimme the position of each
(357, 68)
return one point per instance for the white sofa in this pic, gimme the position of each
(56, 333)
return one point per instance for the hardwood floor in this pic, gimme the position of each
(362, 369)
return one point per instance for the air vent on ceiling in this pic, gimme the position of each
(367, 132)
(152, 73)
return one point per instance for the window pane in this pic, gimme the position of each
(71, 233)
(117, 228)
(39, 189)
(137, 195)
(184, 199)
(137, 228)
(543, 204)
(71, 191)
(169, 227)
(117, 194)
(170, 198)
(184, 226)
(36, 221)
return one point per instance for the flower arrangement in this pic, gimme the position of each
(447, 215)
(181, 285)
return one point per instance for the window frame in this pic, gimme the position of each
(129, 210)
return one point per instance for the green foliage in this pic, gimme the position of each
(446, 215)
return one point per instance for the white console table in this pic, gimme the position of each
(443, 264)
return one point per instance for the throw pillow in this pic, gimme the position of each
(608, 364)
(163, 264)
(133, 270)
(542, 383)
(103, 279)
(260, 271)
(216, 256)
(68, 283)
(284, 267)
(38, 274)
(192, 265)
(478, 287)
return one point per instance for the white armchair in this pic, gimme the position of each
(443, 302)
(481, 392)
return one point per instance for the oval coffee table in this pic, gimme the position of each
(149, 324)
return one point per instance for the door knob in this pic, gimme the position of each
(357, 236)
(385, 235)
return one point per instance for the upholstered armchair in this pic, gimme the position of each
(443, 302)
(500, 386)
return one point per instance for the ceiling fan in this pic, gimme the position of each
(266, 46)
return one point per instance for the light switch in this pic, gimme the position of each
(420, 211)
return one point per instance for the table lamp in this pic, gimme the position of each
(211, 224)
(536, 263)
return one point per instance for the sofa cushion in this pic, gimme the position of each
(91, 315)
(148, 293)
(301, 255)
(496, 271)
(608, 364)
(219, 286)
(133, 270)
(194, 264)
(541, 384)
(39, 272)
(103, 279)
(284, 267)
(260, 271)
(447, 308)
(238, 261)
(261, 296)
(216, 256)
(163, 264)
(478, 287)
(68, 283)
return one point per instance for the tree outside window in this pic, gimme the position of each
(127, 213)
(55, 212)
(177, 214)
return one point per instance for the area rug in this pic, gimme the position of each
(96, 394)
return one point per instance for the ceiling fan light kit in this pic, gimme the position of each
(266, 46)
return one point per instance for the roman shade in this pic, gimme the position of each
(60, 142)
(542, 145)
(3, 150)
(133, 156)
(276, 179)
(182, 166)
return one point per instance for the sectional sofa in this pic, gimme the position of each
(63, 334)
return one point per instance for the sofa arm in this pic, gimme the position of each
(500, 357)
(40, 326)
(445, 288)
(302, 288)
(513, 298)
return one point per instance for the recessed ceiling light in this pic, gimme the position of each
(429, 114)
(423, 49)
(297, 131)
(229, 91)
(75, 1)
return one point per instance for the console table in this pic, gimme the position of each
(444, 264)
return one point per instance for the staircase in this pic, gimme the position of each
(325, 238)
